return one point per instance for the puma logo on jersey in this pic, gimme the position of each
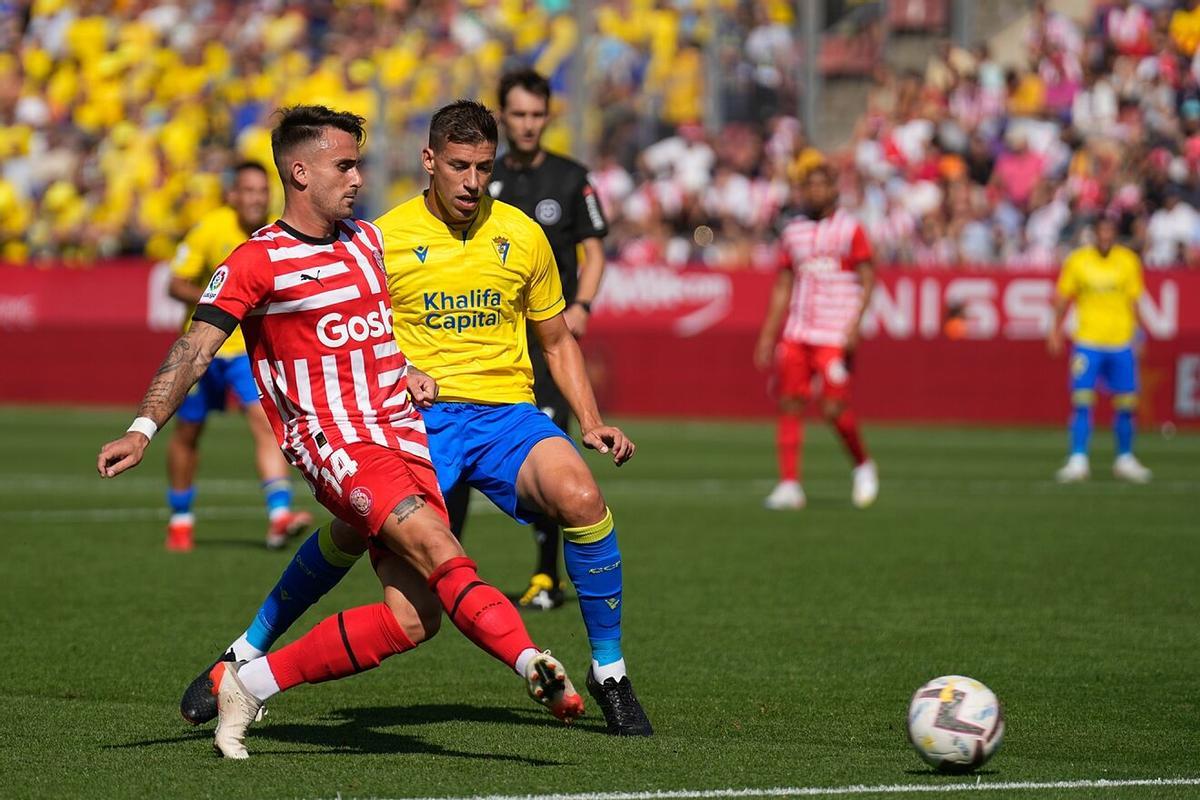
(307, 277)
(421, 252)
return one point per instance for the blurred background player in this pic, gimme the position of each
(555, 192)
(823, 288)
(203, 249)
(1104, 281)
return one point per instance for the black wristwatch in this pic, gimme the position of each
(585, 306)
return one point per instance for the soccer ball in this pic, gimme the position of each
(955, 723)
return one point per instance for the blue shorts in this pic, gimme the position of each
(1117, 368)
(485, 446)
(210, 392)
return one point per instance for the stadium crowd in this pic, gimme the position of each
(969, 163)
(117, 121)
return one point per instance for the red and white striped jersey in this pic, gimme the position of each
(827, 294)
(318, 326)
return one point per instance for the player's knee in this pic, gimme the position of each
(792, 405)
(187, 434)
(1125, 402)
(1083, 398)
(346, 539)
(422, 619)
(580, 503)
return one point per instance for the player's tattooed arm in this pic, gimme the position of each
(186, 361)
(407, 507)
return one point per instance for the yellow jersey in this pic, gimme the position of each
(460, 299)
(200, 253)
(1105, 289)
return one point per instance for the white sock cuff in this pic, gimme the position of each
(615, 670)
(522, 665)
(243, 650)
(256, 676)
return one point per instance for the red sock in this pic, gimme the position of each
(788, 436)
(479, 610)
(350, 642)
(847, 427)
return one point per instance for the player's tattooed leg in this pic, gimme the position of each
(407, 507)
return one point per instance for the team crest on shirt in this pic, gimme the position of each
(548, 211)
(421, 252)
(360, 500)
(214, 284)
(501, 248)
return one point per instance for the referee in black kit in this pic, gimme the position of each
(555, 192)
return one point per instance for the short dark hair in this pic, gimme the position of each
(462, 122)
(530, 80)
(302, 124)
(242, 166)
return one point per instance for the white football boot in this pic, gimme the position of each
(236, 709)
(1128, 468)
(1076, 470)
(866, 485)
(549, 685)
(786, 496)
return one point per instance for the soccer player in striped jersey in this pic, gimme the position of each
(468, 277)
(825, 280)
(310, 293)
(198, 256)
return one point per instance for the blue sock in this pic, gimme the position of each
(1123, 428)
(180, 500)
(315, 569)
(1081, 429)
(278, 494)
(594, 564)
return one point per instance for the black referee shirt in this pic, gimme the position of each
(556, 194)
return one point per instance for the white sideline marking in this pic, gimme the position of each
(833, 791)
(19, 483)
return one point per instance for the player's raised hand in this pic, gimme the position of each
(422, 388)
(121, 454)
(607, 439)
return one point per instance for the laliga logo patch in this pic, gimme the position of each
(501, 248)
(547, 212)
(360, 500)
(215, 284)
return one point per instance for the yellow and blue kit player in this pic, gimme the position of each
(1104, 281)
(197, 258)
(468, 276)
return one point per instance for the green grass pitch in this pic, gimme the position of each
(771, 649)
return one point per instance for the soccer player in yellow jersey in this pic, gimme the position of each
(466, 273)
(198, 256)
(1104, 281)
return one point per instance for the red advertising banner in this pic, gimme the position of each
(84, 335)
(679, 342)
(667, 342)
